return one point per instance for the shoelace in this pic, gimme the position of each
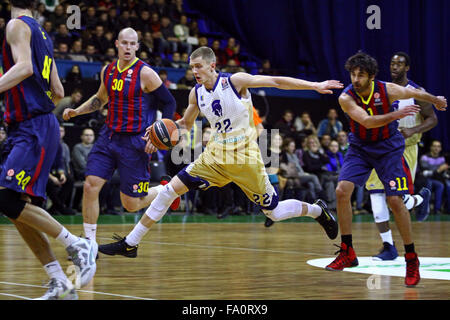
(52, 286)
(411, 268)
(340, 249)
(117, 237)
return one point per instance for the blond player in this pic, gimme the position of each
(412, 128)
(232, 155)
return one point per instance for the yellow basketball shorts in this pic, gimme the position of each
(243, 166)
(410, 154)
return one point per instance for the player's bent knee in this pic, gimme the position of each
(11, 204)
(395, 202)
(162, 202)
(131, 205)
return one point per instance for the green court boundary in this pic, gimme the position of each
(131, 218)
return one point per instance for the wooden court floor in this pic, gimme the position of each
(238, 261)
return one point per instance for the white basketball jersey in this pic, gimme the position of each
(229, 114)
(410, 121)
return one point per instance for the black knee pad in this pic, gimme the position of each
(10, 203)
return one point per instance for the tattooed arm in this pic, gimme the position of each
(96, 102)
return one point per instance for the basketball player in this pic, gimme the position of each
(30, 83)
(127, 85)
(375, 143)
(412, 128)
(232, 154)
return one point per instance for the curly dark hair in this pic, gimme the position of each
(23, 4)
(364, 62)
(404, 55)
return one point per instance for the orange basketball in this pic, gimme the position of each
(164, 134)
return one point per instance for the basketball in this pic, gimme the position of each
(164, 134)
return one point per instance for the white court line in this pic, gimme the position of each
(15, 296)
(86, 291)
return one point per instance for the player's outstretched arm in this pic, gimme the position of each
(96, 102)
(243, 80)
(18, 36)
(396, 92)
(358, 114)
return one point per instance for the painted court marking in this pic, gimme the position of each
(85, 291)
(430, 267)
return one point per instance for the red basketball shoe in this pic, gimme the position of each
(176, 203)
(412, 269)
(345, 259)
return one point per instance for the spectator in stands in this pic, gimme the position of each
(342, 140)
(175, 9)
(71, 101)
(62, 51)
(143, 22)
(161, 8)
(62, 35)
(39, 14)
(188, 81)
(176, 61)
(99, 40)
(110, 54)
(104, 5)
(105, 22)
(112, 19)
(172, 41)
(185, 59)
(295, 174)
(91, 53)
(325, 141)
(147, 43)
(164, 78)
(193, 29)
(232, 50)
(266, 69)
(58, 16)
(90, 18)
(74, 77)
(2, 29)
(331, 125)
(124, 20)
(60, 183)
(80, 153)
(143, 55)
(232, 67)
(334, 167)
(316, 161)
(286, 124)
(76, 51)
(435, 169)
(48, 27)
(221, 59)
(304, 124)
(181, 31)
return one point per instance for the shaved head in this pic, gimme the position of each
(127, 32)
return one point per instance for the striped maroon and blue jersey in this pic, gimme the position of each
(378, 104)
(129, 108)
(32, 96)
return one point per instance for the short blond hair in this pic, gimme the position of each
(206, 53)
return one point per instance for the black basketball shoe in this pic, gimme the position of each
(327, 221)
(119, 247)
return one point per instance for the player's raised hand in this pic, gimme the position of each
(69, 113)
(325, 87)
(407, 111)
(442, 103)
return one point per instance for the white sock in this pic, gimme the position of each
(90, 230)
(292, 208)
(409, 200)
(387, 237)
(54, 270)
(66, 238)
(135, 236)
